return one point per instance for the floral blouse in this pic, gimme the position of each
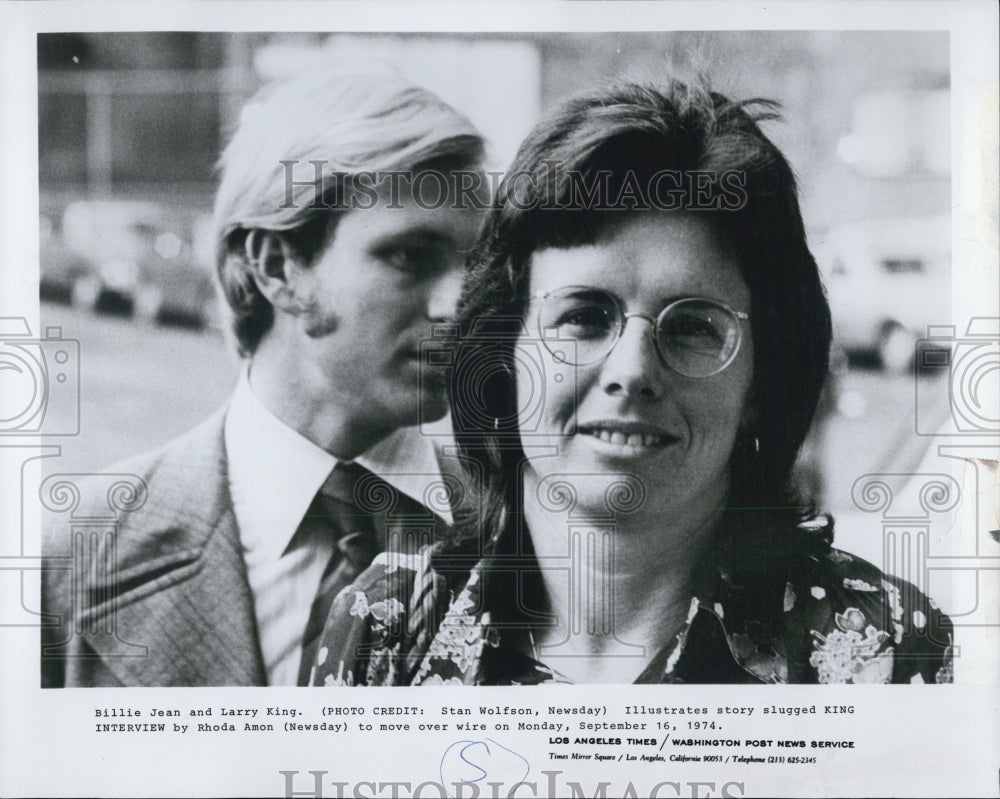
(404, 623)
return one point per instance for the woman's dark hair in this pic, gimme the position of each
(615, 152)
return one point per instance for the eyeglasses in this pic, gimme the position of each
(581, 325)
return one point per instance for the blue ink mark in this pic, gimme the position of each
(498, 761)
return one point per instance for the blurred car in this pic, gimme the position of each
(887, 280)
(139, 255)
(809, 475)
(59, 266)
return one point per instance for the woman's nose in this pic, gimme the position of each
(633, 367)
(443, 294)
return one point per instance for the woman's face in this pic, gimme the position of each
(629, 413)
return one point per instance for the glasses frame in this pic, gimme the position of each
(624, 316)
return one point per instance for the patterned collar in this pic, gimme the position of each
(474, 645)
(448, 616)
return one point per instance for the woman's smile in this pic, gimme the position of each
(626, 438)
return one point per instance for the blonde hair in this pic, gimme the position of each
(348, 123)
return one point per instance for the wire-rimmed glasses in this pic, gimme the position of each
(695, 337)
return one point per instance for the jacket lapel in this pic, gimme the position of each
(178, 609)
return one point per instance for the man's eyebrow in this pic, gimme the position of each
(418, 235)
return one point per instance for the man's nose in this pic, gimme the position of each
(633, 367)
(443, 294)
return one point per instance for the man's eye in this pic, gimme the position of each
(402, 257)
(415, 259)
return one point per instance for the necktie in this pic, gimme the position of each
(336, 513)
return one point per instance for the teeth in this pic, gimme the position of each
(630, 439)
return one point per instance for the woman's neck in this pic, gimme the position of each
(619, 590)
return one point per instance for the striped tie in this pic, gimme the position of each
(335, 512)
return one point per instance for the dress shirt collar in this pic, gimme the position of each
(274, 473)
(277, 471)
(408, 462)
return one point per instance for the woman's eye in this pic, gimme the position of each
(585, 319)
(691, 326)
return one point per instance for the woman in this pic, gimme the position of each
(645, 338)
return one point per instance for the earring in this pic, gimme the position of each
(756, 445)
(496, 422)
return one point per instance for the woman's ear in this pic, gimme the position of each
(276, 270)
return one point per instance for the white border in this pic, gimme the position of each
(919, 742)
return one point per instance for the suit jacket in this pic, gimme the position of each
(164, 600)
(155, 595)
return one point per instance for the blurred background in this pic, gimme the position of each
(130, 126)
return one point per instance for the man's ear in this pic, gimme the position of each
(275, 268)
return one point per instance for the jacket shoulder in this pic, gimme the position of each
(125, 487)
(115, 531)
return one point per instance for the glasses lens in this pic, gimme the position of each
(697, 338)
(579, 325)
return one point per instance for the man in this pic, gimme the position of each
(342, 219)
